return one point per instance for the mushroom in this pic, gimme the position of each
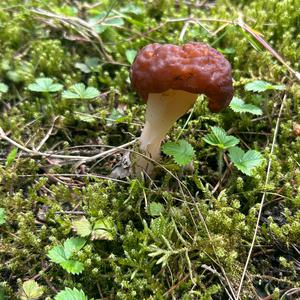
(169, 78)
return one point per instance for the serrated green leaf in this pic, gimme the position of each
(219, 138)
(69, 294)
(155, 209)
(181, 151)
(72, 266)
(238, 105)
(3, 88)
(2, 216)
(79, 91)
(262, 86)
(130, 55)
(45, 85)
(11, 156)
(72, 246)
(31, 290)
(57, 254)
(83, 227)
(104, 230)
(245, 162)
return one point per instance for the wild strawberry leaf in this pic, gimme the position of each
(72, 266)
(83, 227)
(104, 229)
(57, 254)
(71, 294)
(219, 138)
(31, 290)
(246, 162)
(181, 151)
(239, 105)
(72, 246)
(262, 86)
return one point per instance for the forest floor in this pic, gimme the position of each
(221, 218)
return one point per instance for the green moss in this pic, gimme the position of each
(202, 231)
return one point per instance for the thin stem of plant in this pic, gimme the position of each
(262, 199)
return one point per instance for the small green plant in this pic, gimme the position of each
(238, 105)
(62, 255)
(220, 138)
(79, 91)
(31, 290)
(245, 162)
(103, 229)
(262, 86)
(71, 294)
(45, 85)
(181, 151)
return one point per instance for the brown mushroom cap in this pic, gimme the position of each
(194, 67)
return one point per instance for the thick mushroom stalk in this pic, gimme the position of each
(169, 78)
(163, 110)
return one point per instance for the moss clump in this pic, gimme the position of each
(194, 243)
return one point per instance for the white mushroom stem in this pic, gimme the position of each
(163, 110)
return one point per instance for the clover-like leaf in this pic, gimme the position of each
(245, 162)
(262, 86)
(181, 151)
(45, 85)
(2, 216)
(72, 266)
(219, 138)
(239, 105)
(31, 290)
(79, 91)
(57, 254)
(72, 246)
(83, 227)
(3, 88)
(104, 229)
(71, 294)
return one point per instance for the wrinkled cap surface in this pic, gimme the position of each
(193, 67)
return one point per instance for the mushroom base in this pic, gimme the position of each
(163, 110)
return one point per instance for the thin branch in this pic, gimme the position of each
(82, 159)
(262, 199)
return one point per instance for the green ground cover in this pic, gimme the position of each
(69, 231)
